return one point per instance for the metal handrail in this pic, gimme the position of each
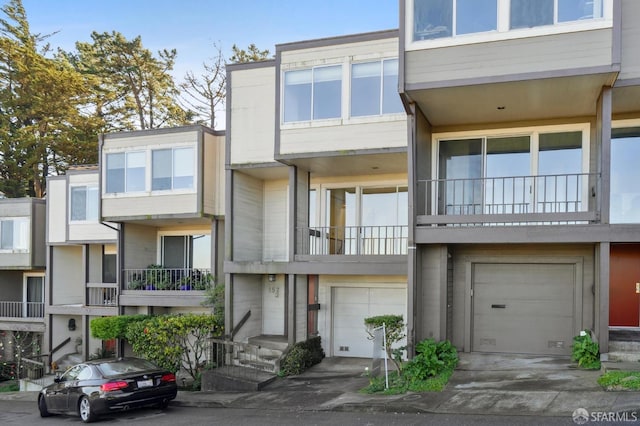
(158, 278)
(16, 309)
(353, 240)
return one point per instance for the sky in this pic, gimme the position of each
(193, 26)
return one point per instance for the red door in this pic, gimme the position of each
(624, 273)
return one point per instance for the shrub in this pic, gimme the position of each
(585, 351)
(114, 327)
(431, 360)
(302, 356)
(394, 332)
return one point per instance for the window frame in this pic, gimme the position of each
(26, 238)
(86, 188)
(503, 31)
(311, 119)
(126, 154)
(172, 187)
(381, 98)
(621, 124)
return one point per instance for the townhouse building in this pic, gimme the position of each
(81, 266)
(317, 196)
(523, 134)
(22, 271)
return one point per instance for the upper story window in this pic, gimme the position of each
(434, 19)
(313, 94)
(172, 169)
(126, 172)
(374, 88)
(84, 203)
(625, 193)
(14, 234)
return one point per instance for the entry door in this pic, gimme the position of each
(624, 273)
(273, 306)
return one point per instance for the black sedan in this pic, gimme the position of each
(102, 386)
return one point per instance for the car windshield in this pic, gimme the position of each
(124, 366)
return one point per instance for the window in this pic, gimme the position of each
(84, 203)
(14, 234)
(538, 172)
(433, 19)
(446, 18)
(625, 175)
(172, 169)
(313, 94)
(374, 88)
(186, 251)
(126, 172)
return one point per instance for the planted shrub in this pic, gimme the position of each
(585, 351)
(114, 327)
(431, 359)
(302, 356)
(394, 332)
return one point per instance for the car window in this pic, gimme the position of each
(85, 373)
(72, 373)
(129, 365)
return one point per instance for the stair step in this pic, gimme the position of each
(624, 346)
(279, 343)
(258, 365)
(624, 356)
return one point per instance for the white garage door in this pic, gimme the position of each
(351, 305)
(524, 308)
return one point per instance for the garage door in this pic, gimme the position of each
(523, 308)
(351, 305)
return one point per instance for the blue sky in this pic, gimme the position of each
(192, 26)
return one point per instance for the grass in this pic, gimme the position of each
(398, 385)
(9, 386)
(620, 380)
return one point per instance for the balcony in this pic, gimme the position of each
(514, 200)
(21, 309)
(387, 240)
(102, 294)
(157, 279)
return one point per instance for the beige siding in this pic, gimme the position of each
(128, 206)
(247, 217)
(67, 275)
(95, 263)
(91, 232)
(370, 135)
(57, 210)
(253, 115)
(431, 297)
(38, 228)
(140, 246)
(336, 52)
(533, 254)
(276, 208)
(534, 54)
(247, 296)
(213, 185)
(152, 140)
(630, 60)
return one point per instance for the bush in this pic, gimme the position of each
(585, 351)
(394, 332)
(115, 327)
(302, 356)
(431, 360)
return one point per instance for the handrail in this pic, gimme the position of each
(57, 348)
(238, 326)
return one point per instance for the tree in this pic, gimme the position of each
(393, 333)
(133, 88)
(251, 54)
(205, 94)
(44, 126)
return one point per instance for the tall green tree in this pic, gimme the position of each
(250, 54)
(134, 88)
(44, 125)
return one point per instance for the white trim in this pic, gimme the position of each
(621, 124)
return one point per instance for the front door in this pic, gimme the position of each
(624, 273)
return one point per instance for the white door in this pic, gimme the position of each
(351, 305)
(273, 306)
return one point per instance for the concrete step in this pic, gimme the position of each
(620, 366)
(279, 343)
(624, 346)
(624, 356)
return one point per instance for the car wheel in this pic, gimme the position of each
(42, 406)
(86, 413)
(163, 405)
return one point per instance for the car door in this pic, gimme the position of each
(69, 383)
(56, 394)
(75, 388)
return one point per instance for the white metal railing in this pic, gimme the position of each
(101, 294)
(158, 278)
(504, 199)
(21, 309)
(353, 240)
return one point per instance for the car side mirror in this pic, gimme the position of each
(58, 379)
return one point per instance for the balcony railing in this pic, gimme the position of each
(101, 294)
(353, 240)
(162, 279)
(549, 199)
(21, 309)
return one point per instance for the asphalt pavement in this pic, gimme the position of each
(482, 384)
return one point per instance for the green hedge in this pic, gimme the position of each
(114, 327)
(302, 356)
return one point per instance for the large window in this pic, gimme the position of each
(313, 94)
(172, 169)
(14, 234)
(186, 251)
(126, 172)
(539, 172)
(84, 203)
(446, 18)
(374, 88)
(625, 175)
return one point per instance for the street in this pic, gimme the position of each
(25, 413)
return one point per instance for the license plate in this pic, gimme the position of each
(145, 383)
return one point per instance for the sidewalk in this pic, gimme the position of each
(482, 384)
